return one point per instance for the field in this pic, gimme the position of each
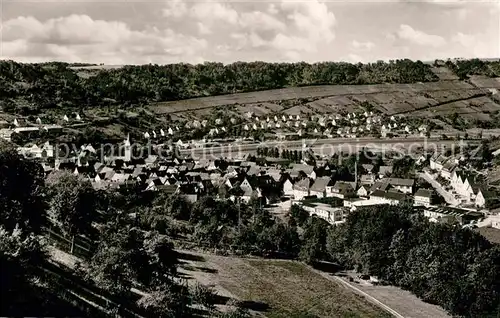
(433, 99)
(279, 288)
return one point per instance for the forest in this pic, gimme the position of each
(31, 88)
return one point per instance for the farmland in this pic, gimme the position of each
(433, 99)
(280, 288)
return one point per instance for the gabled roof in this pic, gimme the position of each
(401, 182)
(367, 167)
(307, 169)
(385, 169)
(389, 195)
(320, 184)
(450, 166)
(381, 185)
(426, 193)
(302, 185)
(343, 185)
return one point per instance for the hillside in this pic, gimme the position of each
(114, 100)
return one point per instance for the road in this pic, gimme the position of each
(327, 147)
(439, 188)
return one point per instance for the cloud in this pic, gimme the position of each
(477, 45)
(409, 34)
(80, 38)
(362, 45)
(291, 28)
(227, 31)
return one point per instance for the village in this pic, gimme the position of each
(307, 179)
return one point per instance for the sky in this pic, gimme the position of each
(195, 31)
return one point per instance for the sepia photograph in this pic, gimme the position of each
(250, 158)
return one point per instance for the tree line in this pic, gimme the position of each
(30, 88)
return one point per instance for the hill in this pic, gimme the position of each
(460, 94)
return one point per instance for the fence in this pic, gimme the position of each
(78, 245)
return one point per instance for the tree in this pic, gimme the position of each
(314, 240)
(20, 256)
(71, 202)
(21, 187)
(298, 214)
(120, 260)
(167, 301)
(178, 207)
(440, 263)
(205, 296)
(163, 258)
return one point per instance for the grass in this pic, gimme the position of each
(291, 289)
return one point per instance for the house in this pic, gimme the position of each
(423, 197)
(328, 213)
(384, 171)
(306, 169)
(391, 197)
(403, 185)
(437, 161)
(342, 190)
(485, 198)
(363, 191)
(451, 215)
(322, 187)
(367, 179)
(288, 188)
(448, 168)
(301, 188)
(381, 185)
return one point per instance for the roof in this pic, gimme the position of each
(401, 182)
(367, 178)
(390, 195)
(367, 167)
(426, 193)
(385, 169)
(380, 185)
(307, 169)
(303, 184)
(320, 184)
(342, 185)
(449, 166)
(454, 211)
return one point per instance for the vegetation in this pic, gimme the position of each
(455, 268)
(21, 191)
(290, 289)
(464, 68)
(31, 88)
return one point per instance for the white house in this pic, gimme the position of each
(403, 185)
(363, 191)
(343, 190)
(423, 197)
(301, 189)
(322, 187)
(288, 188)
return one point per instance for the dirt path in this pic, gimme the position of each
(362, 293)
(393, 300)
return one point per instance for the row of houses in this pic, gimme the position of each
(466, 185)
